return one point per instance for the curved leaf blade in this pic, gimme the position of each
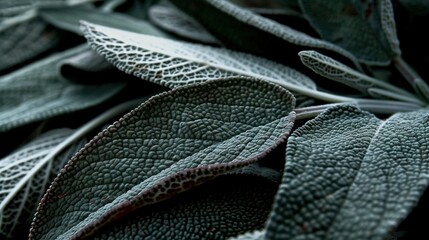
(18, 205)
(334, 70)
(68, 19)
(173, 20)
(250, 32)
(38, 92)
(173, 63)
(167, 145)
(351, 175)
(25, 41)
(366, 29)
(216, 210)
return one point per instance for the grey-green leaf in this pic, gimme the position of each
(167, 145)
(175, 21)
(365, 28)
(38, 91)
(68, 19)
(18, 200)
(174, 63)
(216, 210)
(350, 175)
(25, 41)
(339, 72)
(250, 32)
(253, 235)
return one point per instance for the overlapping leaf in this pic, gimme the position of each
(18, 199)
(216, 210)
(339, 72)
(25, 41)
(173, 20)
(250, 32)
(365, 28)
(37, 92)
(350, 175)
(169, 144)
(173, 63)
(68, 19)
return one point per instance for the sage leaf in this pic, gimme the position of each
(169, 144)
(25, 41)
(68, 19)
(249, 32)
(175, 21)
(37, 92)
(18, 200)
(172, 63)
(334, 70)
(350, 175)
(365, 28)
(216, 210)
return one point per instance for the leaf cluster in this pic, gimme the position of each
(208, 119)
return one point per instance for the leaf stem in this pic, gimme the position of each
(79, 133)
(404, 68)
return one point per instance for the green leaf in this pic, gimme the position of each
(25, 41)
(365, 28)
(334, 70)
(18, 200)
(25, 173)
(216, 210)
(38, 92)
(167, 145)
(250, 32)
(173, 63)
(350, 175)
(175, 21)
(68, 19)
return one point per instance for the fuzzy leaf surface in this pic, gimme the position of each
(249, 32)
(25, 41)
(38, 91)
(167, 145)
(175, 21)
(350, 175)
(18, 204)
(216, 210)
(174, 63)
(365, 28)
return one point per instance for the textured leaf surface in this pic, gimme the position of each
(255, 235)
(68, 19)
(250, 32)
(18, 200)
(173, 63)
(38, 92)
(339, 72)
(173, 20)
(365, 28)
(350, 175)
(216, 210)
(25, 41)
(167, 145)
